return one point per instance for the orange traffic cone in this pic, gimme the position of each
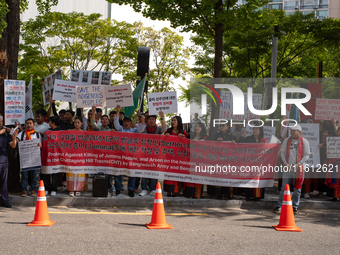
(41, 217)
(158, 214)
(287, 221)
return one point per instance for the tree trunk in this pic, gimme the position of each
(217, 73)
(13, 19)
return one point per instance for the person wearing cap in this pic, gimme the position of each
(126, 127)
(294, 152)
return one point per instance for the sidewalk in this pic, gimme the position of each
(87, 201)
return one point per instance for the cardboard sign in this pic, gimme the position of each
(89, 95)
(164, 101)
(65, 90)
(327, 109)
(14, 102)
(333, 147)
(118, 95)
(226, 110)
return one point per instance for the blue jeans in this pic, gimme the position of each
(287, 178)
(148, 182)
(24, 179)
(119, 180)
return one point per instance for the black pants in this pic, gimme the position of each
(50, 181)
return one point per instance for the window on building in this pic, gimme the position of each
(323, 4)
(321, 14)
(290, 5)
(275, 6)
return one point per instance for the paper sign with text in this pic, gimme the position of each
(164, 101)
(118, 95)
(14, 101)
(333, 147)
(30, 155)
(65, 90)
(89, 95)
(226, 110)
(327, 109)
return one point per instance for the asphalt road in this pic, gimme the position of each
(213, 231)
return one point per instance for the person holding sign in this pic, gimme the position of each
(195, 190)
(152, 128)
(5, 139)
(256, 137)
(224, 135)
(127, 129)
(104, 125)
(172, 187)
(29, 134)
(295, 151)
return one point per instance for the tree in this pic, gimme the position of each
(74, 41)
(212, 18)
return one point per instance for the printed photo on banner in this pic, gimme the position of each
(75, 75)
(118, 95)
(91, 77)
(226, 110)
(105, 78)
(327, 109)
(86, 77)
(14, 101)
(163, 101)
(47, 86)
(65, 90)
(89, 95)
(95, 77)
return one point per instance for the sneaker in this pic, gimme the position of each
(78, 194)
(295, 211)
(131, 193)
(152, 193)
(33, 193)
(305, 195)
(143, 193)
(277, 210)
(24, 193)
(46, 193)
(315, 193)
(71, 194)
(324, 194)
(53, 193)
(6, 204)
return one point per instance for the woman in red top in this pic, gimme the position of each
(172, 187)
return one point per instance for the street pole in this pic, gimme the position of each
(273, 68)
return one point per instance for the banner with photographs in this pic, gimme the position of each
(91, 77)
(47, 85)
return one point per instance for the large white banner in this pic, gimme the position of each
(65, 90)
(226, 110)
(164, 101)
(327, 109)
(14, 102)
(30, 155)
(118, 95)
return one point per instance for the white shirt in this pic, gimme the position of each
(33, 136)
(41, 128)
(293, 151)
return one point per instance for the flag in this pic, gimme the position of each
(296, 112)
(28, 108)
(136, 95)
(284, 129)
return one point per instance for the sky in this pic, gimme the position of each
(119, 13)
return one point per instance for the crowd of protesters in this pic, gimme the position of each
(294, 152)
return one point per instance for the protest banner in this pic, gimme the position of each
(14, 101)
(268, 132)
(30, 157)
(91, 77)
(333, 147)
(89, 95)
(226, 110)
(47, 86)
(118, 95)
(160, 157)
(163, 101)
(327, 109)
(65, 90)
